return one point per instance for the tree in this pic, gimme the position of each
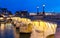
(17, 13)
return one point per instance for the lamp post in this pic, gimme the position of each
(43, 17)
(43, 9)
(37, 9)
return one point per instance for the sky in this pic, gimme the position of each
(31, 5)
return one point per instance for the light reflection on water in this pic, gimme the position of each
(6, 33)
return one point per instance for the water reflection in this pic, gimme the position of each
(6, 33)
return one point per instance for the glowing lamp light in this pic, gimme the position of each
(43, 5)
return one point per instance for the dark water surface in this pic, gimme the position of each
(7, 33)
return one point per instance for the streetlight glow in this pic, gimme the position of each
(43, 5)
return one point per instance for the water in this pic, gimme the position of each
(6, 33)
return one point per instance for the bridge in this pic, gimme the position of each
(38, 28)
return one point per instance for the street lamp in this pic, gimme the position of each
(43, 9)
(43, 16)
(37, 9)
